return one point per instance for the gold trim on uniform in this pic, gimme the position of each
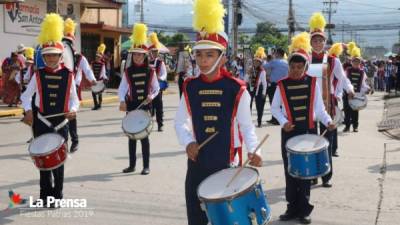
(53, 95)
(139, 83)
(301, 97)
(210, 118)
(356, 74)
(300, 108)
(294, 87)
(53, 86)
(140, 97)
(302, 118)
(138, 75)
(210, 104)
(140, 91)
(210, 130)
(50, 77)
(211, 92)
(52, 103)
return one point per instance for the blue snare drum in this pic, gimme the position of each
(242, 203)
(308, 156)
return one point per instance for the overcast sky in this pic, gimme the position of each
(354, 12)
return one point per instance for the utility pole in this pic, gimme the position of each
(226, 18)
(343, 31)
(329, 4)
(235, 27)
(52, 6)
(291, 21)
(141, 11)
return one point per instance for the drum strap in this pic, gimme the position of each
(48, 123)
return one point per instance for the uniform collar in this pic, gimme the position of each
(216, 78)
(55, 70)
(316, 55)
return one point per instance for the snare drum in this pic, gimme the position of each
(99, 87)
(137, 124)
(48, 151)
(308, 156)
(243, 202)
(358, 102)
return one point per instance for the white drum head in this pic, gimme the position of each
(214, 186)
(45, 143)
(136, 121)
(98, 87)
(306, 143)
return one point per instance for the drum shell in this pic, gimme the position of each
(236, 208)
(308, 165)
(50, 160)
(359, 102)
(97, 90)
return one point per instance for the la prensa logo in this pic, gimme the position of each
(13, 10)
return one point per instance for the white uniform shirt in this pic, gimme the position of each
(279, 112)
(262, 79)
(32, 88)
(84, 67)
(163, 70)
(243, 121)
(123, 88)
(102, 73)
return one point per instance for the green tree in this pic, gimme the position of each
(169, 40)
(267, 35)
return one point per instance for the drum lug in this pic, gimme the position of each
(253, 218)
(230, 208)
(258, 193)
(308, 171)
(306, 158)
(264, 213)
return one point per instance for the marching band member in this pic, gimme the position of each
(327, 69)
(159, 66)
(24, 76)
(212, 102)
(260, 91)
(356, 75)
(99, 70)
(138, 85)
(297, 105)
(80, 65)
(55, 93)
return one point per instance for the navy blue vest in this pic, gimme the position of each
(139, 84)
(298, 99)
(54, 90)
(213, 107)
(355, 76)
(97, 66)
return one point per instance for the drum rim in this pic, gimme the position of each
(313, 150)
(311, 177)
(230, 198)
(47, 153)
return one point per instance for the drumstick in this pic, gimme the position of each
(207, 140)
(247, 161)
(55, 115)
(319, 140)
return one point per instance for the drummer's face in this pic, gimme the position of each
(138, 58)
(206, 58)
(52, 60)
(355, 63)
(317, 43)
(296, 69)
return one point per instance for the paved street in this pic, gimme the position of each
(365, 181)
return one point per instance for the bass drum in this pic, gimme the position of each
(68, 56)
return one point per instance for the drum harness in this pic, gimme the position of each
(48, 123)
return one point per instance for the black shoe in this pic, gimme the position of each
(314, 182)
(145, 171)
(94, 108)
(74, 147)
(346, 129)
(287, 216)
(259, 125)
(326, 184)
(335, 154)
(129, 170)
(305, 219)
(160, 129)
(355, 130)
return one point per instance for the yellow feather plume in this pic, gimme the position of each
(101, 48)
(69, 27)
(208, 16)
(139, 34)
(51, 29)
(356, 52)
(300, 41)
(336, 50)
(317, 22)
(260, 53)
(350, 46)
(29, 53)
(154, 40)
